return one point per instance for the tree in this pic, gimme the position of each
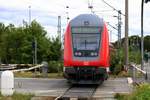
(16, 43)
(147, 43)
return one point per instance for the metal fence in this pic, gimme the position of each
(138, 75)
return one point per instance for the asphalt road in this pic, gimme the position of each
(56, 87)
(40, 86)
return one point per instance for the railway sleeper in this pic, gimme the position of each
(73, 98)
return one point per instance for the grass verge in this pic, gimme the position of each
(141, 92)
(17, 96)
(37, 75)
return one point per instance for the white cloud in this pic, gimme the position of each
(46, 12)
(51, 31)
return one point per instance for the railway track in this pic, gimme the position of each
(85, 92)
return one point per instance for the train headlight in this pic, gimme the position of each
(95, 53)
(92, 53)
(78, 53)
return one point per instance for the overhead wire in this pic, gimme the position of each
(112, 7)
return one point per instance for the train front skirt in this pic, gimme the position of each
(85, 75)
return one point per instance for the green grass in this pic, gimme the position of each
(17, 96)
(119, 96)
(141, 92)
(37, 75)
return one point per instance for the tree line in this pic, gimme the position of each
(117, 58)
(17, 44)
(135, 42)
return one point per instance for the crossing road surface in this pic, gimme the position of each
(56, 87)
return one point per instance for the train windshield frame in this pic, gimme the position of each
(85, 30)
(86, 40)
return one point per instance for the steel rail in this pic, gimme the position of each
(79, 94)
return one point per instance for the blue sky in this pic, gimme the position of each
(47, 11)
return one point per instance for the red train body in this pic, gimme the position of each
(86, 50)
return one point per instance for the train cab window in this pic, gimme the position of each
(86, 43)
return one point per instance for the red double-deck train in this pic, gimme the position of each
(86, 50)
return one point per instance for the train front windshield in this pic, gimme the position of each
(86, 41)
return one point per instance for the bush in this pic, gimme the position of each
(55, 66)
(141, 92)
(120, 96)
(116, 61)
(134, 56)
